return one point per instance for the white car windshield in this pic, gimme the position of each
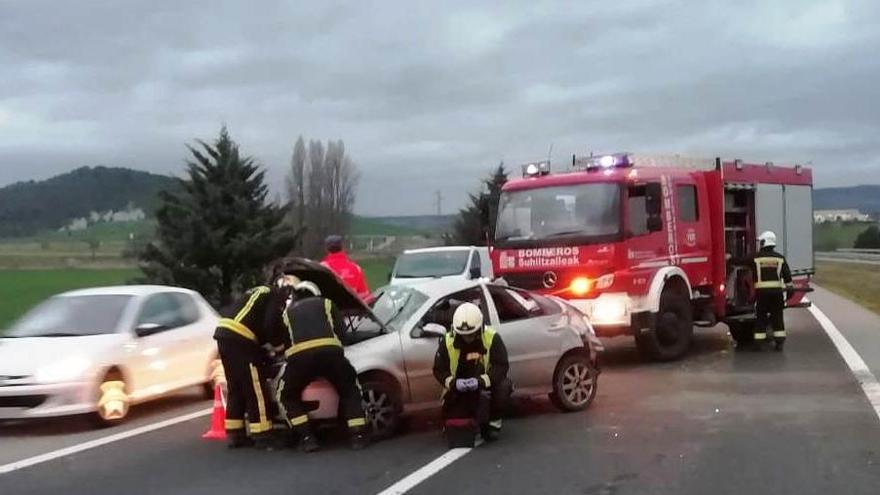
(431, 264)
(72, 316)
(396, 304)
(583, 210)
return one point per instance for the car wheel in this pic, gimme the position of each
(113, 403)
(574, 383)
(670, 337)
(743, 332)
(382, 408)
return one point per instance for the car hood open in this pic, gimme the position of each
(331, 286)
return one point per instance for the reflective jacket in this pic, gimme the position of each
(257, 317)
(484, 358)
(349, 271)
(311, 323)
(770, 271)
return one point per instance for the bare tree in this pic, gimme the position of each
(322, 192)
(296, 184)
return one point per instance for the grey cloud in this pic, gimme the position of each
(432, 97)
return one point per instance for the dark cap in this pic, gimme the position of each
(333, 243)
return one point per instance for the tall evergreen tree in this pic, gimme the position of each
(471, 227)
(217, 234)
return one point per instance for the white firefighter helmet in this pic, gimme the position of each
(308, 286)
(767, 239)
(467, 320)
(287, 281)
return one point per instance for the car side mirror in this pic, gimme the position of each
(145, 329)
(475, 273)
(433, 330)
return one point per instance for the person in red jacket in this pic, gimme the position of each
(349, 271)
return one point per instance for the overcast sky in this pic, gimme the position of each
(430, 98)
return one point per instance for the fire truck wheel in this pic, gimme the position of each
(670, 337)
(742, 332)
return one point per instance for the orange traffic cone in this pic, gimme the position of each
(218, 418)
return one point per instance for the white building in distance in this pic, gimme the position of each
(851, 215)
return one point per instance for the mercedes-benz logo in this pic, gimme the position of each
(550, 280)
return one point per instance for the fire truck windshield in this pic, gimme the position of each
(583, 211)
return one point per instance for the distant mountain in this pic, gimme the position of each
(30, 207)
(864, 198)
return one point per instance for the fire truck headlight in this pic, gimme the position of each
(609, 310)
(605, 281)
(580, 286)
(532, 169)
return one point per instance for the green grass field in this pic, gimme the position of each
(856, 282)
(22, 289)
(373, 226)
(376, 271)
(831, 236)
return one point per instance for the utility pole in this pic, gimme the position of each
(438, 202)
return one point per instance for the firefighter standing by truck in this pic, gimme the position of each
(772, 276)
(471, 361)
(247, 328)
(314, 350)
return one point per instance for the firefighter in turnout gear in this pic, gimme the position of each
(314, 350)
(471, 364)
(772, 277)
(245, 331)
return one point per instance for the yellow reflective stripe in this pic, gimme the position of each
(328, 309)
(257, 427)
(496, 424)
(760, 336)
(238, 328)
(299, 420)
(770, 284)
(311, 344)
(251, 301)
(354, 423)
(278, 397)
(258, 390)
(286, 319)
(234, 424)
(486, 381)
(779, 334)
(448, 381)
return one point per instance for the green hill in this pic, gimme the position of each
(865, 198)
(28, 208)
(376, 226)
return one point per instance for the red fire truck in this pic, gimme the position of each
(648, 245)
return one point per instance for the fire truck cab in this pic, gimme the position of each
(651, 246)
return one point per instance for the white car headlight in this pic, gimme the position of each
(65, 370)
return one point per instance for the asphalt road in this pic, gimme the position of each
(720, 421)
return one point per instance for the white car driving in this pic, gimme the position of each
(144, 341)
(551, 346)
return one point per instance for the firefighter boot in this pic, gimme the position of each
(360, 439)
(237, 439)
(308, 443)
(780, 345)
(264, 441)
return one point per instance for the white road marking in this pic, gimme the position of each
(57, 454)
(426, 471)
(856, 364)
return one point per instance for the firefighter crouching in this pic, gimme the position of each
(246, 327)
(471, 364)
(772, 277)
(314, 326)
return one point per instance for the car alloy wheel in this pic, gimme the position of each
(381, 409)
(577, 384)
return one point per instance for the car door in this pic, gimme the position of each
(419, 349)
(194, 340)
(157, 353)
(531, 333)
